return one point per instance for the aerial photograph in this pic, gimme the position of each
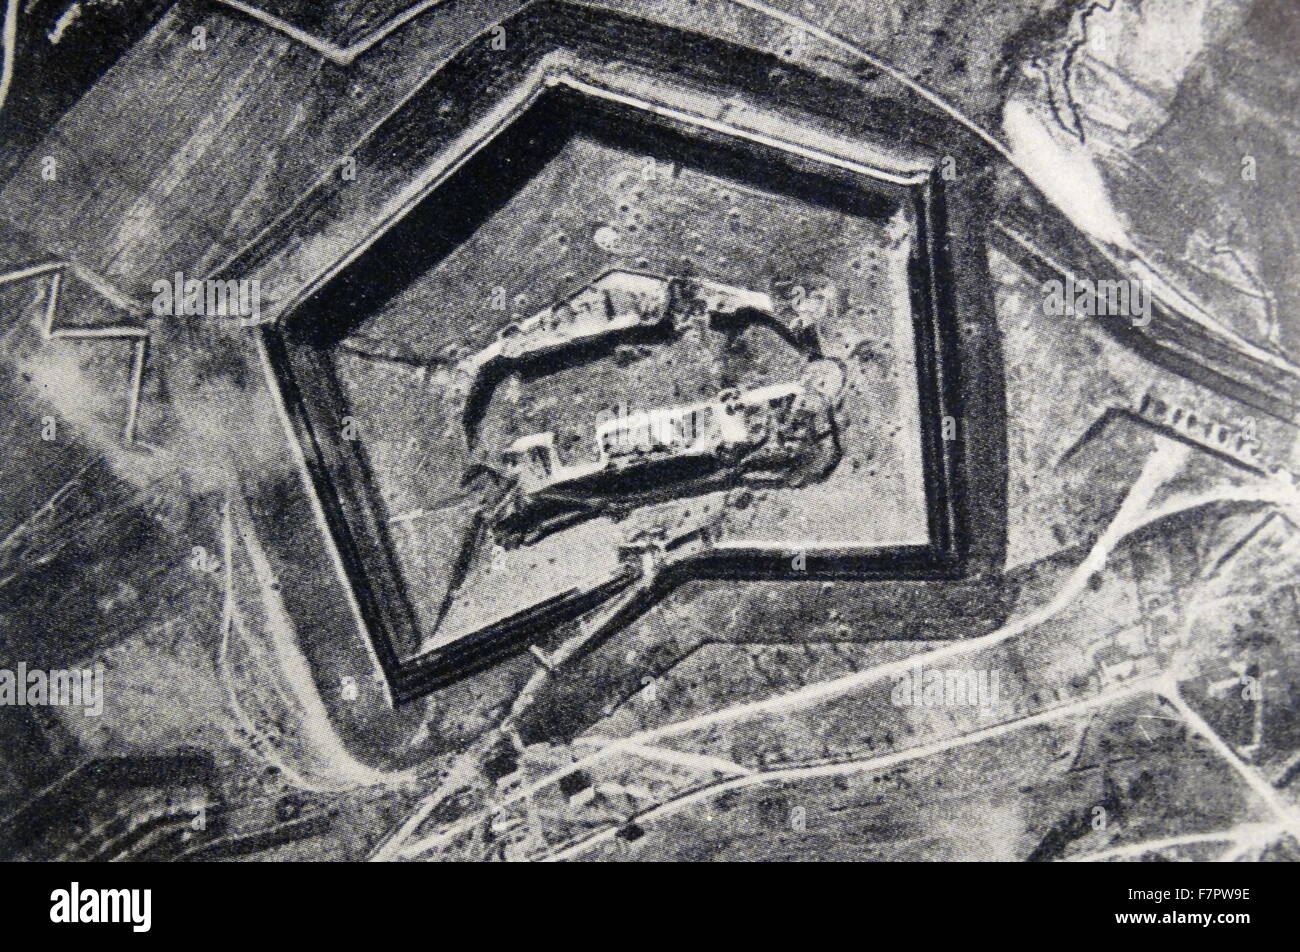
(649, 431)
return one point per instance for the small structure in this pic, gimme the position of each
(616, 302)
(781, 417)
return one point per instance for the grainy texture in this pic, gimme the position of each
(646, 430)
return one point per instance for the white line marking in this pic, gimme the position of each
(342, 55)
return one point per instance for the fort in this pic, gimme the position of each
(622, 304)
(764, 434)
